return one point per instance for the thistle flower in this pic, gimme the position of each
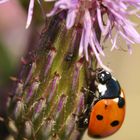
(91, 12)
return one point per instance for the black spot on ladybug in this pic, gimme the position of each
(97, 136)
(114, 123)
(99, 117)
(121, 102)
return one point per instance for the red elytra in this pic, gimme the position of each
(106, 117)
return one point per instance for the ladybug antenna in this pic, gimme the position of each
(99, 70)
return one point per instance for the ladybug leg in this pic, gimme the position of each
(89, 96)
(83, 119)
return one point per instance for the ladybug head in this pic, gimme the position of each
(103, 76)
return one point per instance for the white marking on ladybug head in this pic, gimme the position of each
(103, 75)
(102, 89)
(107, 72)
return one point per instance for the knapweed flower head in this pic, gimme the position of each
(92, 12)
(110, 15)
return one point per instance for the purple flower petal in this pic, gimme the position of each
(97, 56)
(70, 18)
(3, 1)
(85, 35)
(30, 13)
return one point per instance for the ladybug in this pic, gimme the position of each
(108, 112)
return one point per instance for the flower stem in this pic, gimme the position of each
(48, 98)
